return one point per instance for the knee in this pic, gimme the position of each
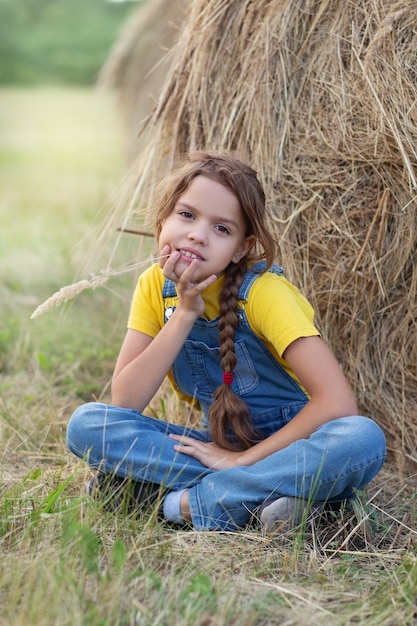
(372, 433)
(364, 432)
(82, 422)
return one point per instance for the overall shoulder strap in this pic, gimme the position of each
(253, 273)
(169, 290)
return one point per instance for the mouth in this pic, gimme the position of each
(189, 254)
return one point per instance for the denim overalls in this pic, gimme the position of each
(339, 457)
(271, 393)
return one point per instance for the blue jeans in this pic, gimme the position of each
(340, 457)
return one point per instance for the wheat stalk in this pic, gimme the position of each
(70, 291)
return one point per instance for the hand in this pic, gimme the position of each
(211, 455)
(188, 289)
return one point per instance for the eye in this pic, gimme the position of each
(186, 214)
(222, 229)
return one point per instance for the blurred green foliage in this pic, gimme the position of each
(58, 41)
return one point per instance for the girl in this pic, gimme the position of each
(280, 430)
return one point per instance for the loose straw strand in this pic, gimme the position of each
(70, 291)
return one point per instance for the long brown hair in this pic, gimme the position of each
(227, 409)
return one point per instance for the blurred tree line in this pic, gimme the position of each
(57, 41)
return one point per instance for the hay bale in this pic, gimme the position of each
(321, 96)
(139, 64)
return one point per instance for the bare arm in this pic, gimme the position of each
(331, 397)
(144, 361)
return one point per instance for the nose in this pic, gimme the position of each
(198, 234)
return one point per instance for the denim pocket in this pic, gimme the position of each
(270, 421)
(204, 371)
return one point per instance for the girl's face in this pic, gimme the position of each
(206, 224)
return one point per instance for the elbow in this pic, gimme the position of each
(118, 398)
(124, 403)
(122, 398)
(338, 406)
(115, 396)
(349, 409)
(350, 406)
(346, 406)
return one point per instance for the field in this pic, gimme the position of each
(65, 560)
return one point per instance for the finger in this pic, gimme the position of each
(184, 440)
(184, 449)
(178, 437)
(164, 255)
(170, 265)
(189, 273)
(207, 282)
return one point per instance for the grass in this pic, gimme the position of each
(64, 559)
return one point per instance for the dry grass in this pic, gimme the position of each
(321, 97)
(66, 561)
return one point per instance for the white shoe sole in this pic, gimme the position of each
(286, 511)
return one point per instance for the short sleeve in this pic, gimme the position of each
(278, 312)
(147, 307)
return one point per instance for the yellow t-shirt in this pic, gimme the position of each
(276, 310)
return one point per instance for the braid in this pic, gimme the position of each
(228, 408)
(228, 411)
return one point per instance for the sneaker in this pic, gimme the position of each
(276, 514)
(122, 494)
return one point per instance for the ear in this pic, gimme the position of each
(247, 244)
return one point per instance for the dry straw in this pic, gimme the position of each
(70, 291)
(321, 97)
